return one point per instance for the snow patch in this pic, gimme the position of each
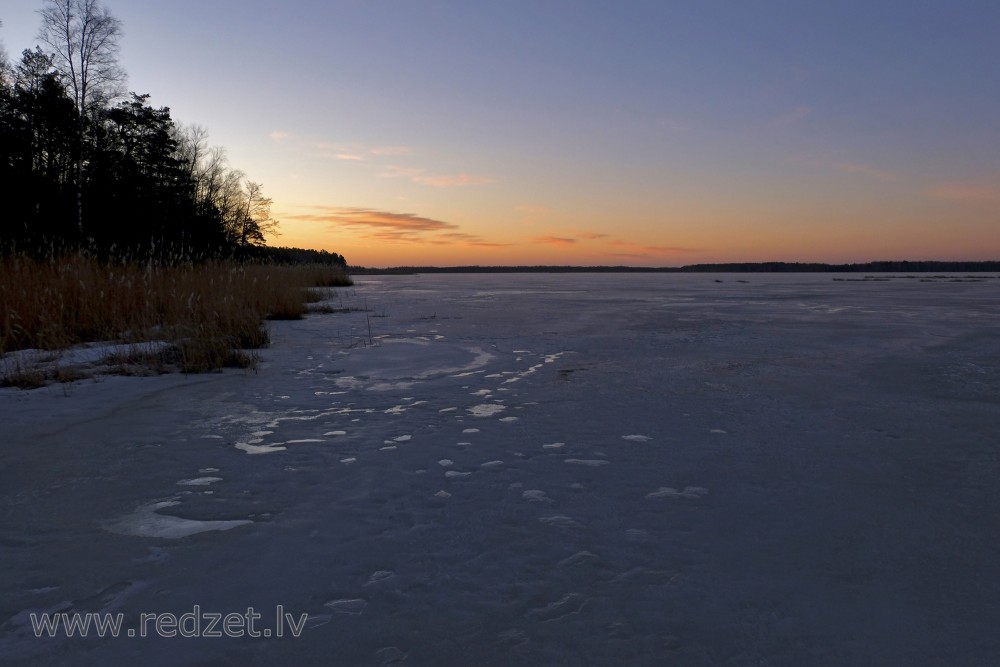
(145, 521)
(669, 492)
(199, 481)
(485, 409)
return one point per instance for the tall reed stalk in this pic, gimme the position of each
(209, 312)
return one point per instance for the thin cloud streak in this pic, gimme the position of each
(659, 250)
(393, 227)
(368, 217)
(792, 116)
(351, 150)
(554, 240)
(966, 193)
(866, 170)
(421, 177)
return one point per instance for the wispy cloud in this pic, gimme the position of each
(847, 167)
(422, 177)
(390, 150)
(555, 240)
(392, 227)
(531, 209)
(672, 125)
(357, 151)
(792, 116)
(338, 150)
(866, 170)
(981, 194)
(646, 250)
(368, 218)
(592, 236)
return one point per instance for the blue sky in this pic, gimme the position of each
(657, 133)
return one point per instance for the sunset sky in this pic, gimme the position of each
(646, 133)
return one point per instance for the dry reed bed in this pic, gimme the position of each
(210, 313)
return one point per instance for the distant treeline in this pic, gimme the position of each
(82, 165)
(282, 255)
(740, 267)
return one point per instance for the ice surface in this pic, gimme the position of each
(353, 606)
(787, 471)
(669, 492)
(536, 495)
(199, 481)
(593, 463)
(485, 409)
(147, 521)
(259, 449)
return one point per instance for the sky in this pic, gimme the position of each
(662, 133)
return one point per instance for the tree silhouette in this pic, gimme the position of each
(85, 37)
(152, 189)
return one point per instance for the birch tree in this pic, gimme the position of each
(84, 37)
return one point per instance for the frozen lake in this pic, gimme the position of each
(525, 469)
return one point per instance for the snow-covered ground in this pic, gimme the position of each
(534, 470)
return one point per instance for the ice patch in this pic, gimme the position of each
(580, 558)
(335, 433)
(717, 430)
(390, 655)
(509, 419)
(199, 481)
(688, 492)
(147, 522)
(388, 448)
(593, 463)
(348, 460)
(304, 440)
(568, 605)
(560, 521)
(537, 496)
(396, 410)
(470, 430)
(442, 494)
(554, 445)
(448, 410)
(444, 463)
(481, 392)
(636, 438)
(380, 575)
(207, 470)
(259, 449)
(491, 464)
(455, 473)
(485, 409)
(354, 606)
(402, 438)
